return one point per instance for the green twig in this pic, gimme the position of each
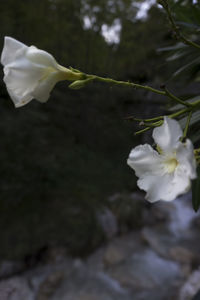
(125, 83)
(138, 86)
(159, 120)
(176, 99)
(142, 130)
(174, 115)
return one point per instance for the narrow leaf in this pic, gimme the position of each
(196, 191)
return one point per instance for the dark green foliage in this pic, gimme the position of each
(196, 191)
(184, 59)
(60, 161)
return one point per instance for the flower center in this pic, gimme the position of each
(171, 164)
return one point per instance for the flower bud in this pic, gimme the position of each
(31, 73)
(79, 84)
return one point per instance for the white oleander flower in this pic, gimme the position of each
(166, 174)
(30, 72)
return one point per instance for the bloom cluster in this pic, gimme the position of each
(164, 173)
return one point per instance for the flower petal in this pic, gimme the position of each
(186, 159)
(18, 100)
(44, 87)
(167, 187)
(21, 79)
(167, 135)
(29, 72)
(144, 159)
(41, 57)
(11, 50)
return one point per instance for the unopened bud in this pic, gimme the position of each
(79, 84)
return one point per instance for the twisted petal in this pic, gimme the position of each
(41, 57)
(186, 159)
(144, 159)
(167, 187)
(167, 136)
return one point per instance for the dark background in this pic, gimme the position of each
(61, 161)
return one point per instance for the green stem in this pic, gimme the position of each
(195, 104)
(174, 115)
(150, 126)
(180, 112)
(153, 119)
(125, 83)
(142, 130)
(159, 120)
(138, 86)
(178, 100)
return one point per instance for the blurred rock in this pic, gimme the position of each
(146, 270)
(159, 239)
(108, 222)
(122, 247)
(49, 285)
(15, 289)
(182, 255)
(182, 216)
(128, 210)
(114, 255)
(190, 287)
(85, 284)
(153, 263)
(56, 254)
(9, 268)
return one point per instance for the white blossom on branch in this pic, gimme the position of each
(164, 174)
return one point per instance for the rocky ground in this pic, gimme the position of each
(160, 261)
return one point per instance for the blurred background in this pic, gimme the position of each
(66, 190)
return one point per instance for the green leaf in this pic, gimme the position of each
(189, 25)
(194, 119)
(174, 47)
(180, 106)
(196, 191)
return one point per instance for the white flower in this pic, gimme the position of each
(30, 72)
(166, 174)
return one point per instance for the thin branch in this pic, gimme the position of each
(176, 99)
(125, 83)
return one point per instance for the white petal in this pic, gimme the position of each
(167, 135)
(21, 79)
(180, 184)
(167, 187)
(11, 50)
(44, 87)
(18, 100)
(144, 159)
(41, 57)
(186, 159)
(29, 72)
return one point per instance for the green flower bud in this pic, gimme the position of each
(79, 84)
